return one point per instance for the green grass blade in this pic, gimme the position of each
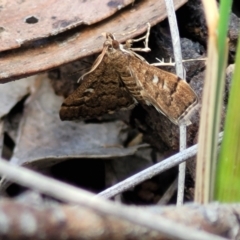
(228, 172)
(225, 8)
(212, 98)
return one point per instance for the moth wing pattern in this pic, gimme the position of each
(169, 94)
(119, 79)
(100, 92)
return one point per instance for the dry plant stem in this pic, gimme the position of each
(1, 137)
(182, 166)
(169, 193)
(175, 37)
(170, 63)
(78, 221)
(180, 72)
(68, 193)
(206, 146)
(151, 171)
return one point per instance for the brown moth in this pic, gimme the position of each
(119, 79)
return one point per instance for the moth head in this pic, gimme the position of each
(115, 44)
(108, 36)
(112, 48)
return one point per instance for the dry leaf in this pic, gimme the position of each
(1, 136)
(44, 139)
(12, 93)
(78, 43)
(39, 19)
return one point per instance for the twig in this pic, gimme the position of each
(180, 72)
(1, 137)
(78, 221)
(169, 193)
(71, 194)
(175, 37)
(182, 166)
(151, 171)
(210, 111)
(170, 63)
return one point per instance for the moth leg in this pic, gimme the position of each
(129, 42)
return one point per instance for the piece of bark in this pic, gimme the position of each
(229, 75)
(34, 20)
(43, 136)
(44, 140)
(81, 41)
(28, 221)
(192, 24)
(233, 33)
(12, 93)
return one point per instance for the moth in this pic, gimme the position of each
(119, 79)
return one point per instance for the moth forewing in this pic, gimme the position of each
(168, 93)
(100, 92)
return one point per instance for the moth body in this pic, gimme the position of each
(119, 79)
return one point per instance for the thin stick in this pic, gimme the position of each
(210, 111)
(162, 63)
(151, 171)
(1, 136)
(180, 72)
(175, 37)
(182, 166)
(169, 193)
(71, 194)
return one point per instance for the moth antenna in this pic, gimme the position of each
(95, 64)
(108, 35)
